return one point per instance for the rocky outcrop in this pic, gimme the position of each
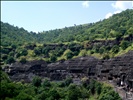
(118, 69)
(78, 67)
(18, 71)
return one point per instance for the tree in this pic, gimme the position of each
(4, 56)
(115, 49)
(83, 53)
(53, 58)
(98, 88)
(43, 95)
(124, 44)
(8, 90)
(23, 60)
(5, 50)
(68, 81)
(13, 46)
(37, 51)
(54, 95)
(118, 36)
(21, 52)
(96, 48)
(102, 50)
(91, 86)
(37, 81)
(46, 83)
(23, 96)
(46, 50)
(68, 54)
(109, 95)
(11, 53)
(73, 92)
(10, 60)
(106, 56)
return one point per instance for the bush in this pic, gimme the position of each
(37, 81)
(37, 51)
(106, 56)
(8, 90)
(53, 58)
(109, 95)
(23, 96)
(54, 94)
(68, 54)
(91, 86)
(73, 92)
(98, 88)
(21, 52)
(68, 81)
(83, 53)
(42, 96)
(92, 52)
(101, 50)
(124, 44)
(23, 60)
(4, 56)
(10, 60)
(115, 49)
(46, 83)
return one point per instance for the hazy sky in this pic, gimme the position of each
(46, 15)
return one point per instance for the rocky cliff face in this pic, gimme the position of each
(118, 69)
(18, 71)
(78, 67)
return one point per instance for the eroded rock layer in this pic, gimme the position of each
(118, 69)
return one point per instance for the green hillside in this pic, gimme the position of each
(104, 39)
(119, 25)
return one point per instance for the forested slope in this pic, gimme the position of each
(104, 39)
(118, 25)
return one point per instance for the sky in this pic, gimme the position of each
(38, 16)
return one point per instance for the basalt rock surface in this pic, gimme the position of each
(78, 67)
(25, 72)
(118, 69)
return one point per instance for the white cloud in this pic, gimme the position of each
(122, 5)
(85, 4)
(119, 6)
(116, 12)
(35, 32)
(108, 15)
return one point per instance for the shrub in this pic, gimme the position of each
(68, 81)
(124, 44)
(23, 60)
(115, 49)
(23, 96)
(46, 83)
(73, 92)
(37, 81)
(10, 60)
